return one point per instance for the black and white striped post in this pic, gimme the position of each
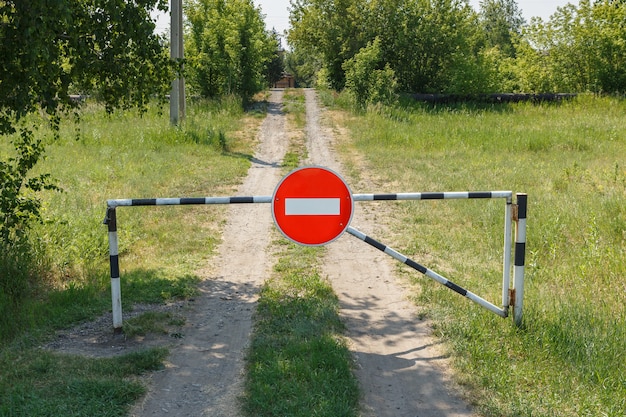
(509, 297)
(111, 222)
(520, 257)
(116, 293)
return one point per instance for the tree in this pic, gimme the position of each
(50, 49)
(428, 43)
(502, 22)
(328, 31)
(368, 79)
(303, 67)
(228, 49)
(579, 49)
(276, 65)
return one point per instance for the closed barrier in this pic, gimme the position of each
(300, 201)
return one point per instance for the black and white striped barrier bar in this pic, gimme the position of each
(116, 292)
(111, 222)
(429, 273)
(508, 195)
(268, 199)
(187, 201)
(434, 196)
(520, 257)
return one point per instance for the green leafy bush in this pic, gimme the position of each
(368, 79)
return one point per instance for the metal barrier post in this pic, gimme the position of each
(116, 292)
(506, 262)
(520, 254)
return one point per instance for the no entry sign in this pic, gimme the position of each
(312, 206)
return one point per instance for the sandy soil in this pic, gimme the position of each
(401, 368)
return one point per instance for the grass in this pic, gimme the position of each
(293, 107)
(47, 384)
(298, 363)
(566, 360)
(118, 156)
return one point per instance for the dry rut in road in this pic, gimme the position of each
(400, 367)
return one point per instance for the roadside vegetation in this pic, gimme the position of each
(121, 155)
(565, 360)
(448, 47)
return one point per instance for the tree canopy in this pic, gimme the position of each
(228, 49)
(50, 50)
(445, 46)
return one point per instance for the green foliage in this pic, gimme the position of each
(304, 69)
(105, 48)
(502, 22)
(366, 81)
(328, 32)
(227, 49)
(18, 204)
(579, 49)
(444, 46)
(276, 65)
(433, 43)
(426, 46)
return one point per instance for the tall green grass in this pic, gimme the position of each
(567, 359)
(123, 155)
(128, 155)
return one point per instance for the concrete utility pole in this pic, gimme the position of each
(177, 96)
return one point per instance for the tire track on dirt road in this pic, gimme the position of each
(204, 374)
(400, 366)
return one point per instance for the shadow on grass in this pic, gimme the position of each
(154, 286)
(78, 302)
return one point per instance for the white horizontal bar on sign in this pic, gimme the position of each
(312, 206)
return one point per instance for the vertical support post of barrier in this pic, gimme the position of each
(116, 292)
(506, 264)
(520, 254)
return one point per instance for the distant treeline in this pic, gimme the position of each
(374, 48)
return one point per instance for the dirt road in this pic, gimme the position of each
(401, 369)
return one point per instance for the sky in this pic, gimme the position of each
(277, 14)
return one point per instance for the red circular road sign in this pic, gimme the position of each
(312, 206)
